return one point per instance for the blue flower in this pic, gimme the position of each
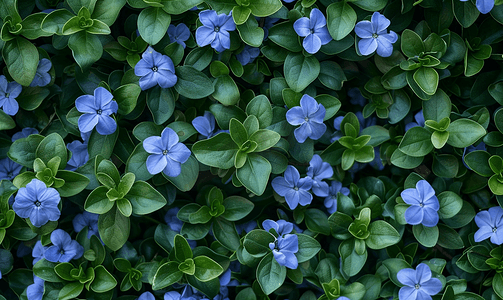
(266, 24)
(246, 227)
(284, 249)
(356, 97)
(374, 36)
(96, 112)
(25, 132)
(38, 252)
(147, 296)
(419, 118)
(423, 204)
(35, 291)
(314, 30)
(330, 201)
(178, 34)
(337, 126)
(377, 162)
(9, 169)
(319, 170)
(205, 124)
(281, 227)
(248, 55)
(86, 220)
(8, 94)
(309, 115)
(293, 188)
(172, 220)
(167, 154)
(418, 283)
(79, 155)
(490, 223)
(37, 202)
(155, 69)
(42, 76)
(173, 295)
(64, 249)
(484, 6)
(215, 30)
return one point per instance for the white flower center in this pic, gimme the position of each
(38, 203)
(164, 152)
(495, 229)
(217, 29)
(417, 286)
(154, 68)
(99, 111)
(375, 35)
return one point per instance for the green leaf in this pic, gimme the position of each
(341, 19)
(382, 235)
(225, 232)
(438, 107)
(161, 102)
(54, 21)
(74, 183)
(192, 83)
(256, 242)
(101, 144)
(449, 238)
(316, 221)
(498, 284)
(404, 161)
(270, 274)
(308, 248)
(206, 268)
(373, 5)
(394, 265)
(352, 262)
(465, 12)
(107, 12)
(412, 44)
(153, 23)
(240, 14)
(450, 204)
(45, 270)
(6, 121)
(254, 174)
(264, 8)
(103, 280)
(166, 275)
(226, 90)
(478, 161)
(217, 151)
(21, 58)
(70, 291)
(236, 208)
(97, 202)
(416, 142)
(144, 198)
(137, 163)
(261, 108)
(126, 97)
(86, 49)
(282, 33)
(300, 71)
(188, 176)
(176, 7)
(181, 248)
(464, 132)
(52, 146)
(426, 79)
(426, 236)
(114, 228)
(251, 33)
(331, 74)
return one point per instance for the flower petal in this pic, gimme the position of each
(156, 163)
(364, 30)
(367, 46)
(302, 27)
(414, 215)
(379, 22)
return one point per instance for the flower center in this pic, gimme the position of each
(306, 119)
(421, 204)
(375, 35)
(99, 111)
(164, 152)
(296, 188)
(9, 175)
(7, 95)
(38, 203)
(217, 29)
(154, 68)
(62, 251)
(495, 229)
(417, 286)
(312, 30)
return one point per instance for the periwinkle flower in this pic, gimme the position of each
(281, 227)
(42, 76)
(215, 30)
(418, 283)
(248, 55)
(377, 162)
(330, 201)
(37, 202)
(178, 34)
(293, 188)
(79, 155)
(96, 112)
(424, 204)
(246, 227)
(484, 6)
(38, 252)
(9, 169)
(205, 124)
(172, 220)
(284, 249)
(86, 220)
(374, 36)
(35, 291)
(148, 296)
(167, 154)
(490, 223)
(319, 170)
(64, 249)
(25, 132)
(154, 69)
(314, 30)
(309, 115)
(356, 97)
(337, 126)
(8, 94)
(419, 121)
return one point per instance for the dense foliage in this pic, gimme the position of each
(251, 149)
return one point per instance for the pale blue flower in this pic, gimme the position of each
(154, 69)
(38, 203)
(86, 220)
(314, 31)
(79, 155)
(330, 201)
(215, 30)
(25, 132)
(309, 115)
(284, 249)
(8, 94)
(38, 252)
(418, 283)
(146, 296)
(374, 36)
(96, 112)
(490, 223)
(178, 34)
(205, 124)
(356, 98)
(317, 171)
(484, 6)
(248, 55)
(293, 188)
(9, 169)
(424, 204)
(64, 249)
(35, 291)
(42, 76)
(281, 227)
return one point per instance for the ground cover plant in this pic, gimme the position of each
(251, 149)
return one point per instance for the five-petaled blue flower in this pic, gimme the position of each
(42, 76)
(96, 112)
(319, 170)
(64, 249)
(8, 94)
(248, 55)
(309, 115)
(330, 202)
(35, 291)
(155, 69)
(424, 204)
(374, 36)
(418, 283)
(293, 188)
(178, 34)
(484, 6)
(205, 124)
(314, 30)
(281, 227)
(167, 154)
(79, 155)
(284, 249)
(9, 169)
(215, 30)
(147, 296)
(38, 252)
(86, 220)
(490, 223)
(37, 202)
